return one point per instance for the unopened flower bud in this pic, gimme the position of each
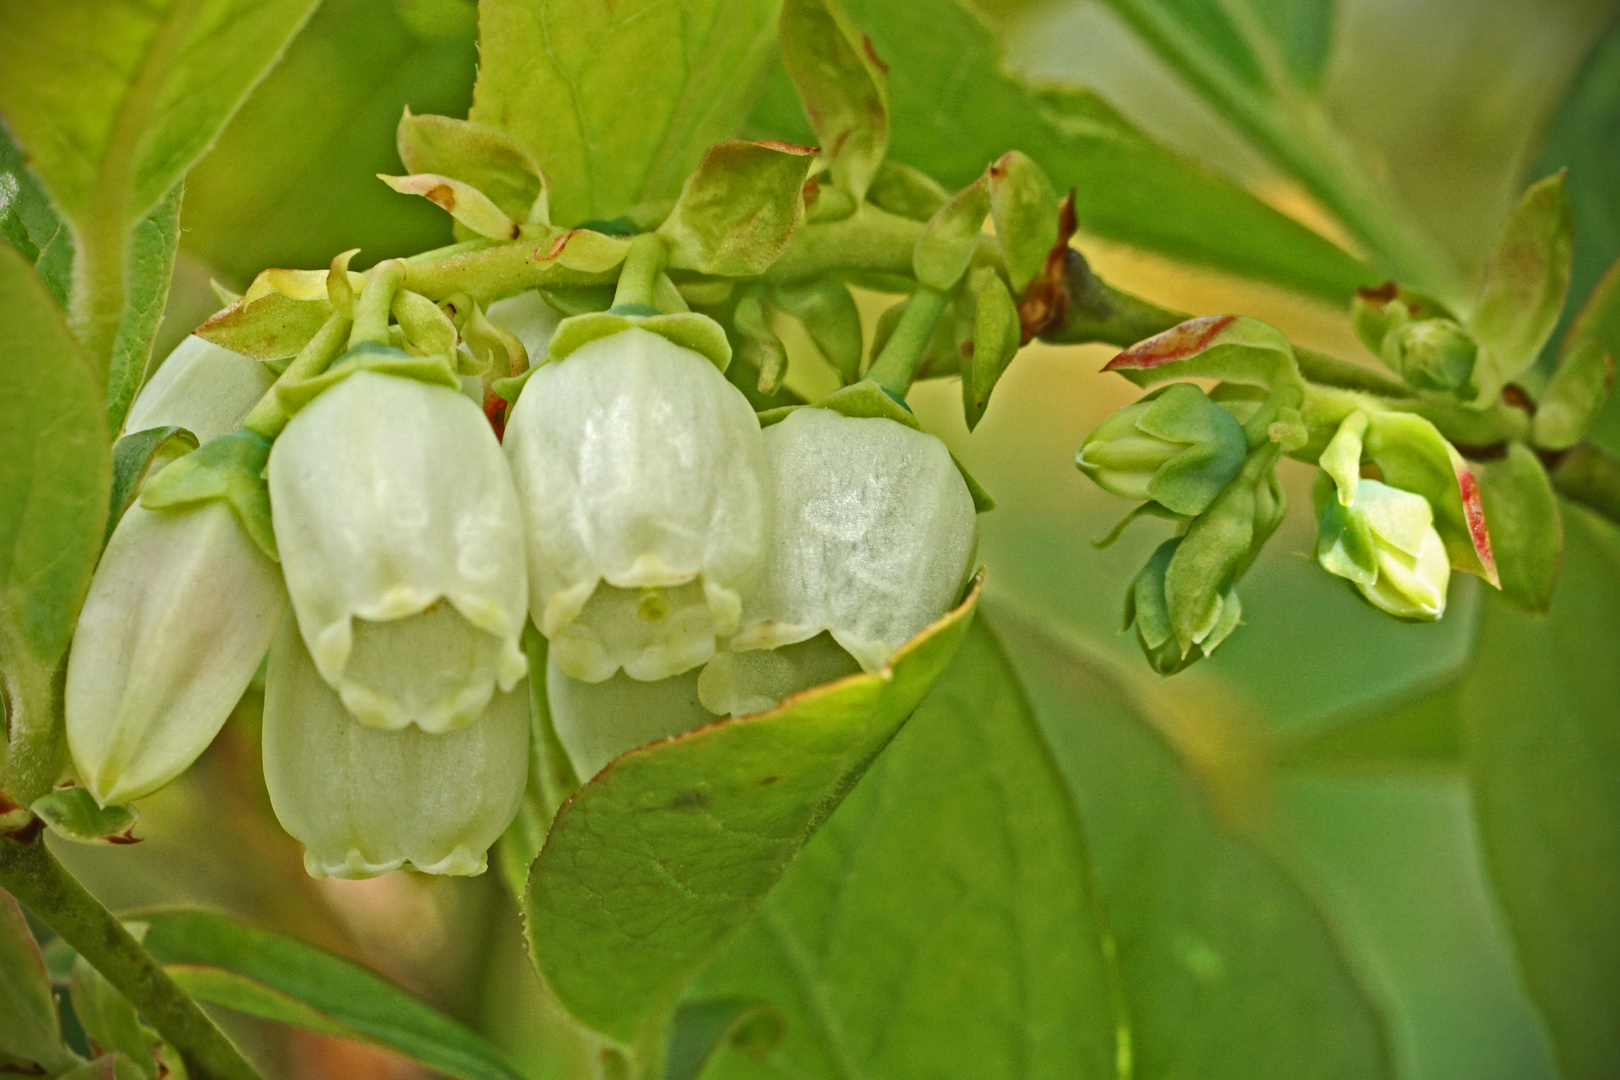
(1384, 542)
(1431, 354)
(400, 537)
(1179, 449)
(874, 538)
(596, 722)
(641, 472)
(202, 387)
(364, 801)
(1148, 609)
(179, 614)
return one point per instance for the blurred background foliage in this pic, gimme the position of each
(1343, 847)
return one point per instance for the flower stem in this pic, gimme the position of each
(376, 298)
(268, 417)
(638, 277)
(897, 363)
(31, 873)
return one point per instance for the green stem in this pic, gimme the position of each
(35, 750)
(329, 342)
(638, 276)
(30, 873)
(897, 363)
(870, 239)
(376, 298)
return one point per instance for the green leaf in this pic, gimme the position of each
(1527, 529)
(269, 194)
(1262, 64)
(477, 155)
(111, 131)
(1229, 970)
(1579, 138)
(828, 314)
(655, 862)
(1573, 400)
(739, 209)
(110, 1023)
(281, 978)
(1025, 209)
(1543, 755)
(955, 110)
(618, 99)
(30, 1032)
(1232, 348)
(151, 265)
(843, 88)
(1525, 286)
(29, 222)
(551, 778)
(700, 1029)
(996, 339)
(72, 814)
(948, 239)
(55, 477)
(943, 922)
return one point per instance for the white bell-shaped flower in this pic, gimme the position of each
(874, 537)
(529, 318)
(743, 683)
(403, 550)
(641, 471)
(364, 801)
(179, 615)
(205, 388)
(596, 722)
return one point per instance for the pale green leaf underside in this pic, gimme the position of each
(264, 974)
(618, 100)
(670, 849)
(955, 110)
(942, 923)
(115, 99)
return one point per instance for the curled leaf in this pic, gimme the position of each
(844, 88)
(738, 211)
(461, 201)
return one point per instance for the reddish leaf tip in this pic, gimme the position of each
(1177, 343)
(1478, 532)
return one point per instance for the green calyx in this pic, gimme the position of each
(1177, 448)
(1147, 607)
(229, 468)
(435, 370)
(688, 329)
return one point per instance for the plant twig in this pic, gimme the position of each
(31, 873)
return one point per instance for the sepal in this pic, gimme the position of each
(1177, 448)
(73, 814)
(946, 245)
(1024, 207)
(844, 88)
(995, 340)
(229, 469)
(1147, 608)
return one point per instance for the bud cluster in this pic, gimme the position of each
(370, 531)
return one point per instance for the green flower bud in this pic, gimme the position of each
(1178, 448)
(202, 387)
(179, 614)
(1384, 542)
(364, 801)
(1432, 354)
(1148, 609)
(641, 474)
(874, 538)
(401, 542)
(596, 722)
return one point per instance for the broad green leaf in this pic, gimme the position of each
(1525, 286)
(110, 1023)
(670, 849)
(280, 978)
(29, 222)
(481, 156)
(1527, 531)
(1580, 138)
(738, 209)
(1261, 64)
(1543, 753)
(55, 474)
(151, 264)
(843, 87)
(1394, 857)
(955, 111)
(293, 177)
(617, 101)
(943, 922)
(30, 1033)
(111, 130)
(1228, 967)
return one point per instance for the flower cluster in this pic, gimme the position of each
(363, 524)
